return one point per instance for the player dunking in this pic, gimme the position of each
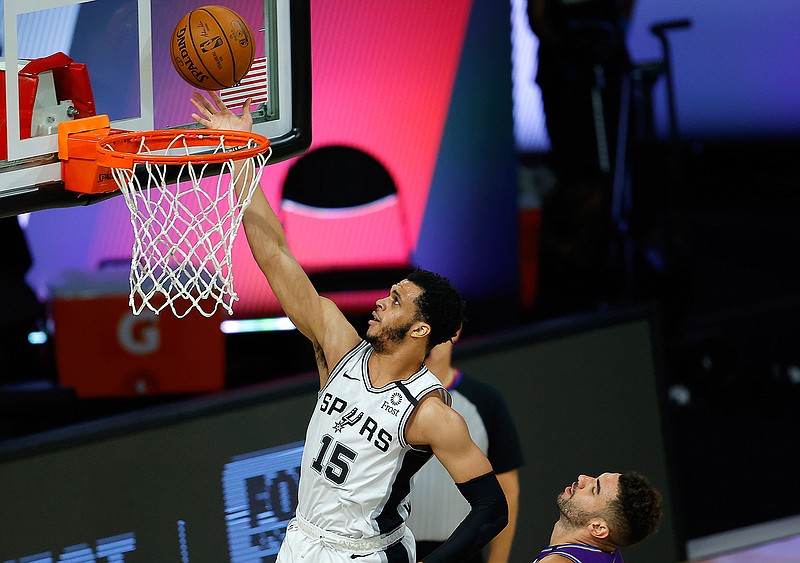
(380, 413)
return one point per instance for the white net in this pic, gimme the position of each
(184, 228)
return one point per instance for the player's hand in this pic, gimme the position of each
(216, 115)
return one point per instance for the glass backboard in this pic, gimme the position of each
(67, 59)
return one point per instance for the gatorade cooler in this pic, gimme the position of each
(104, 350)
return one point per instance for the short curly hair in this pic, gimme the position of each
(440, 305)
(635, 512)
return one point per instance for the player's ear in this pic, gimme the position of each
(420, 330)
(598, 528)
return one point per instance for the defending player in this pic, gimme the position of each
(380, 413)
(597, 516)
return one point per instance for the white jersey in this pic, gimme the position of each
(357, 468)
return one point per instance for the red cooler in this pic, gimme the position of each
(104, 350)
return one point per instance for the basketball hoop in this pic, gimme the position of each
(184, 231)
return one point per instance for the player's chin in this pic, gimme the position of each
(373, 333)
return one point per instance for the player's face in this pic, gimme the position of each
(587, 496)
(394, 314)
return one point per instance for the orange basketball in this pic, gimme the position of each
(212, 47)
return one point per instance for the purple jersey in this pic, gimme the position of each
(578, 553)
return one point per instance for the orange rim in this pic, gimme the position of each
(121, 150)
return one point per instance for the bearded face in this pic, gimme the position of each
(573, 515)
(385, 338)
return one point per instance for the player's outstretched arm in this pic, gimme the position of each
(315, 316)
(444, 430)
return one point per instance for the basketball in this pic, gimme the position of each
(212, 48)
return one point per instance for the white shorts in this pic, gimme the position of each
(302, 545)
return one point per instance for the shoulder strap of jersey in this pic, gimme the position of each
(432, 387)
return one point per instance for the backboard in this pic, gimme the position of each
(67, 59)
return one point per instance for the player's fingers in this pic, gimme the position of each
(199, 106)
(218, 101)
(246, 107)
(202, 104)
(201, 120)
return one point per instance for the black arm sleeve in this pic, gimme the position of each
(487, 517)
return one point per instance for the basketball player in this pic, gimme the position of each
(380, 413)
(600, 515)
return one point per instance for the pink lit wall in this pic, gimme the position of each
(423, 87)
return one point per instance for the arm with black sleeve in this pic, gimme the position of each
(487, 517)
